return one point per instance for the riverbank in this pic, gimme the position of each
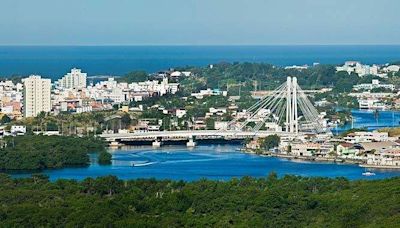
(380, 166)
(360, 163)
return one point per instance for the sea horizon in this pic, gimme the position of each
(187, 45)
(54, 61)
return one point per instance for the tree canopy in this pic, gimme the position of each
(134, 76)
(269, 142)
(41, 152)
(291, 201)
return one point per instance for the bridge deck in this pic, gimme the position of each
(205, 134)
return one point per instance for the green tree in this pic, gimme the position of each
(210, 123)
(135, 76)
(5, 119)
(42, 152)
(269, 142)
(126, 120)
(104, 158)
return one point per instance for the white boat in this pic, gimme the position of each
(115, 144)
(368, 174)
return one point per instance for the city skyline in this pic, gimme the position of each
(176, 22)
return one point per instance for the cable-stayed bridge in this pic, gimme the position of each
(286, 112)
(287, 108)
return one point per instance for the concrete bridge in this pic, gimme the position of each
(157, 137)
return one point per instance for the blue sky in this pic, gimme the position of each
(198, 22)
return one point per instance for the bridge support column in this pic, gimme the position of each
(191, 143)
(156, 144)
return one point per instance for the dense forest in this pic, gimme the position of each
(42, 152)
(248, 202)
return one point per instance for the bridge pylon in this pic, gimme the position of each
(288, 100)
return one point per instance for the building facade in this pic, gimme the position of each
(36, 95)
(361, 136)
(73, 80)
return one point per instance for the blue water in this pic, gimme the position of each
(213, 162)
(367, 119)
(217, 162)
(221, 162)
(55, 61)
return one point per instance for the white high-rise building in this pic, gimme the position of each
(73, 80)
(36, 95)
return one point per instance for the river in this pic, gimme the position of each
(221, 162)
(217, 162)
(370, 120)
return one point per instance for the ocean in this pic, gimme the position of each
(54, 61)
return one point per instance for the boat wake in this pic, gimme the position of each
(139, 164)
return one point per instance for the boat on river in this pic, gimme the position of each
(368, 174)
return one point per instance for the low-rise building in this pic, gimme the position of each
(178, 74)
(370, 147)
(295, 67)
(216, 111)
(388, 158)
(360, 69)
(370, 95)
(199, 123)
(365, 136)
(347, 150)
(18, 130)
(372, 104)
(180, 113)
(209, 92)
(311, 149)
(391, 68)
(220, 125)
(375, 84)
(253, 144)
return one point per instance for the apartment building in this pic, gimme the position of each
(76, 79)
(36, 95)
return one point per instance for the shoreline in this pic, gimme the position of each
(380, 166)
(322, 159)
(299, 158)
